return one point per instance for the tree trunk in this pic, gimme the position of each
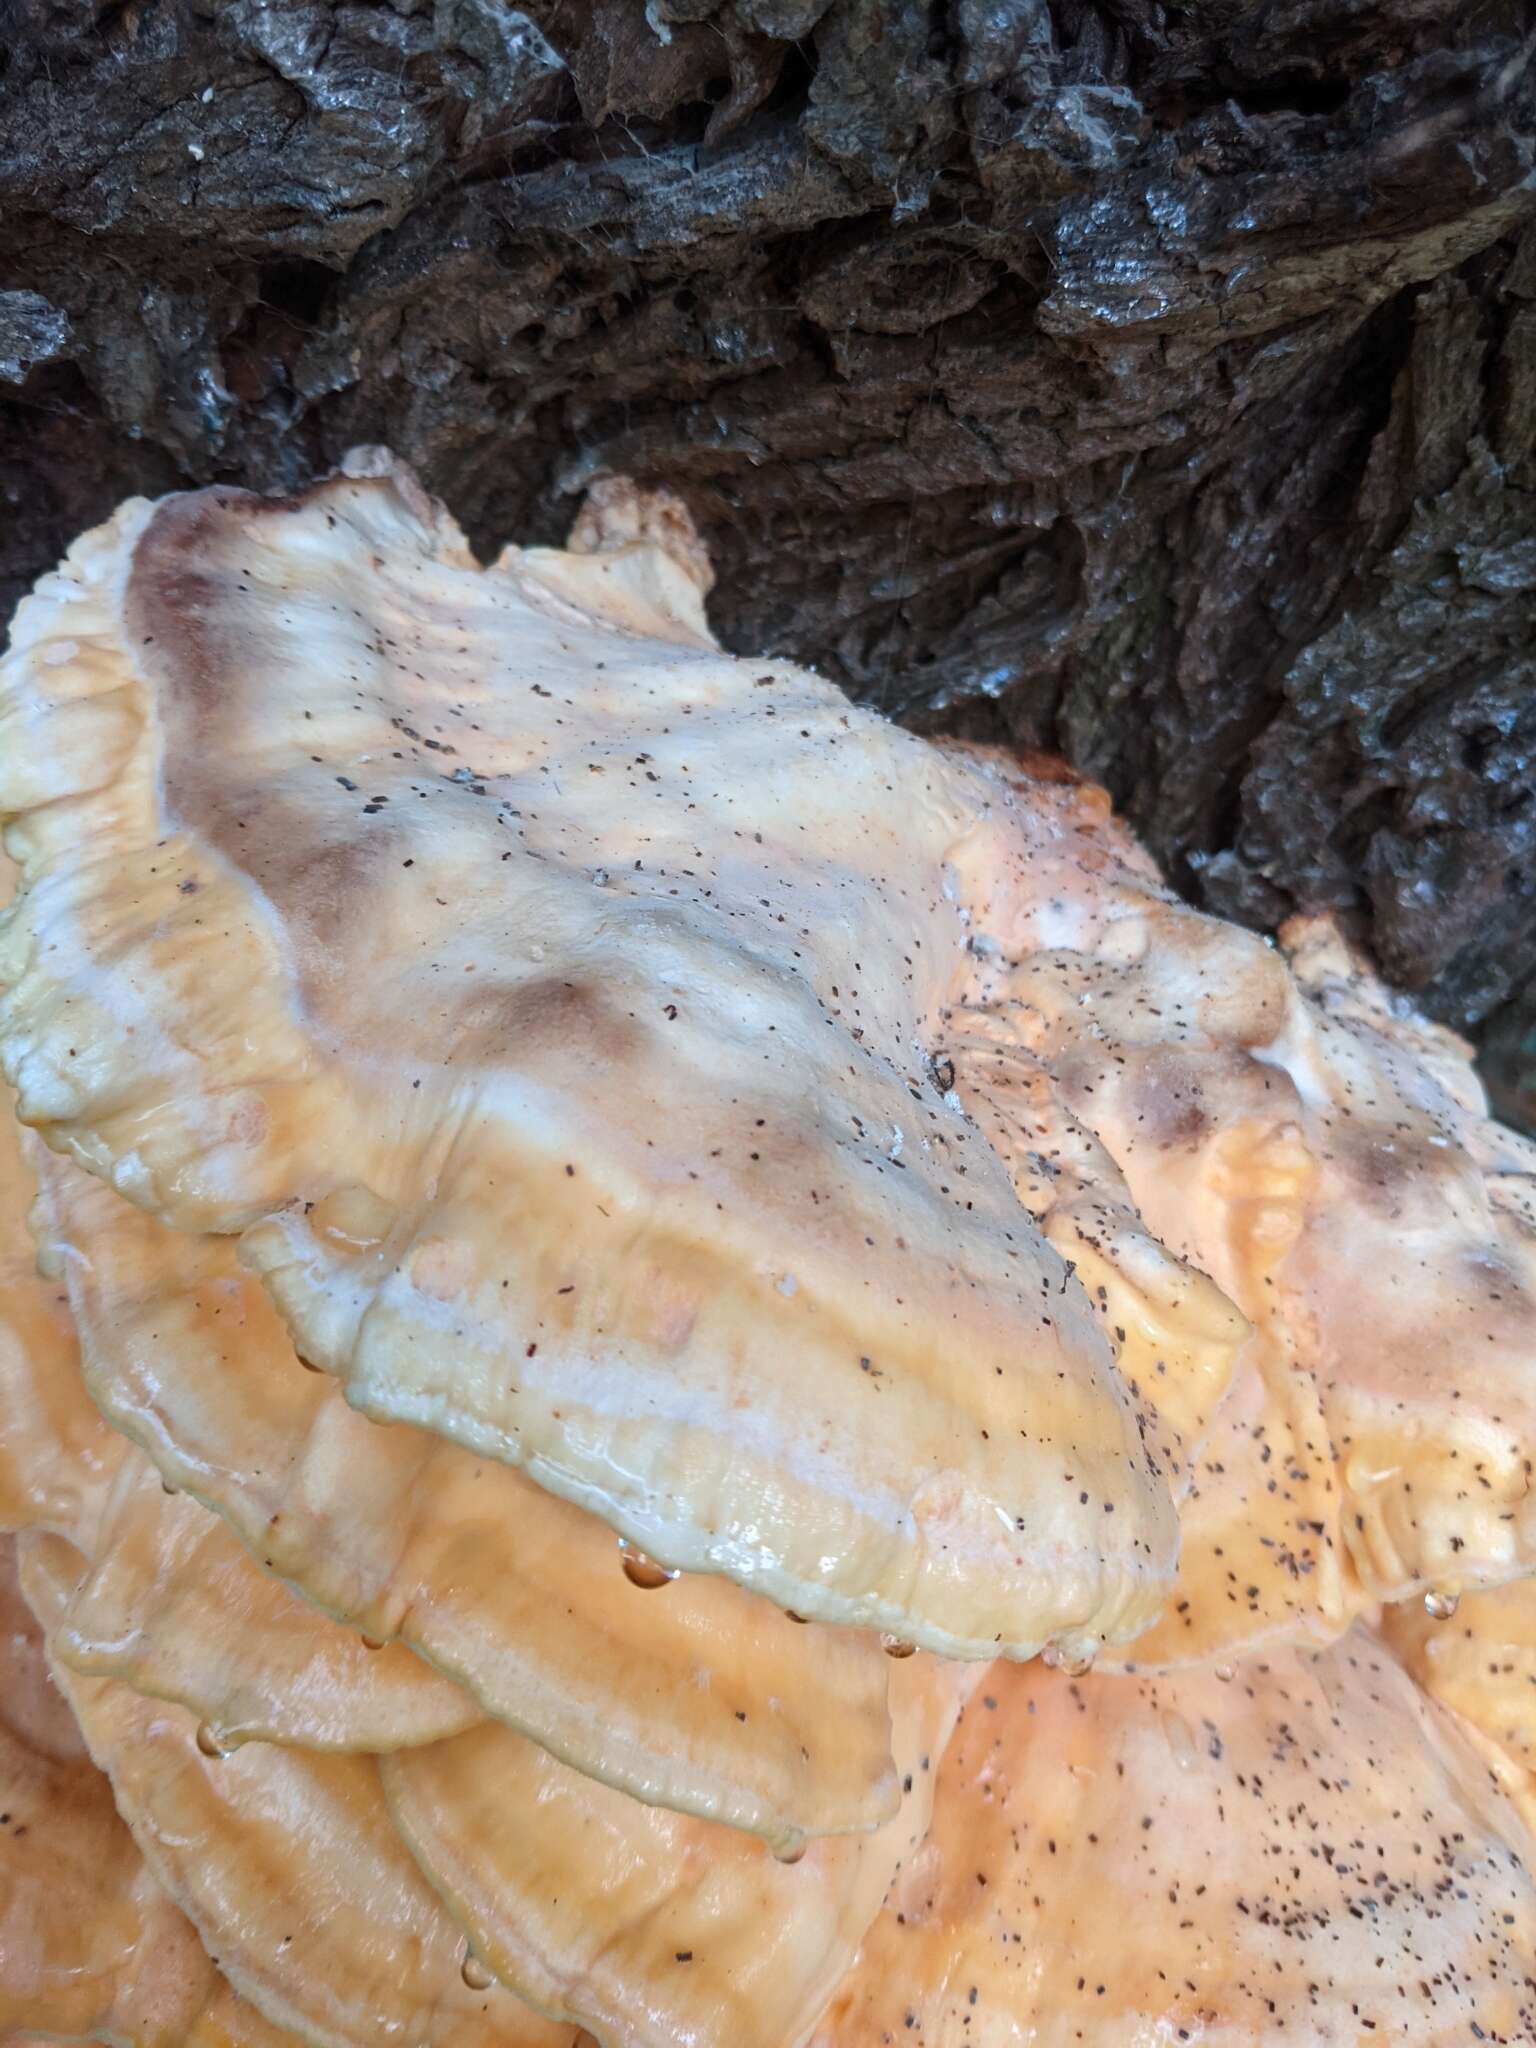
(1152, 382)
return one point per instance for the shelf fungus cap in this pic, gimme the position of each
(648, 1927)
(285, 1862)
(550, 998)
(694, 1693)
(173, 1604)
(1300, 1848)
(1425, 1370)
(167, 1596)
(1326, 1156)
(91, 1948)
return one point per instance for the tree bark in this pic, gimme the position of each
(1152, 382)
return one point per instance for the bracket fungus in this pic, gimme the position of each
(1305, 1850)
(1327, 1157)
(709, 1699)
(286, 1864)
(173, 1605)
(90, 1947)
(544, 997)
(609, 1247)
(169, 1598)
(643, 1925)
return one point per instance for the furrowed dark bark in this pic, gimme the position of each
(1156, 383)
